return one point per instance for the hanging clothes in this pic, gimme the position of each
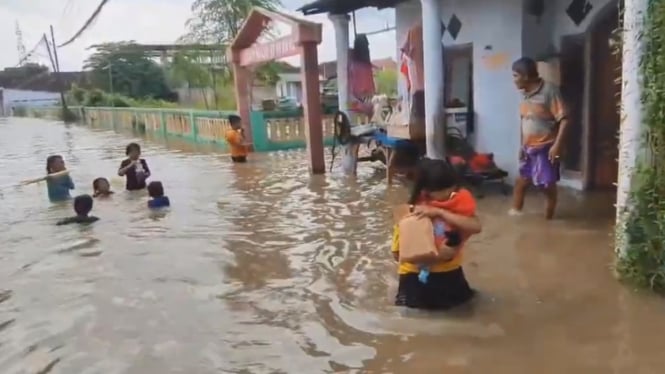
(413, 49)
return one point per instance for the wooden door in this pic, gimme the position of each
(572, 89)
(606, 91)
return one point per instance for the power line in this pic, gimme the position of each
(87, 24)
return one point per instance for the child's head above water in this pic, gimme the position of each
(235, 121)
(133, 151)
(54, 164)
(436, 178)
(101, 186)
(155, 189)
(82, 205)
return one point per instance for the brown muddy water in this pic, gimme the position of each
(260, 268)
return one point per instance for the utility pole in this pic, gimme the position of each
(65, 111)
(110, 69)
(214, 81)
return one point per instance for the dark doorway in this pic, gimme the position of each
(605, 96)
(573, 76)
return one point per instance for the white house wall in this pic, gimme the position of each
(500, 33)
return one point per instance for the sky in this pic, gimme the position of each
(144, 21)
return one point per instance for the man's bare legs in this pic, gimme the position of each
(519, 192)
(550, 205)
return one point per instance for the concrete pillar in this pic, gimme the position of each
(631, 129)
(433, 66)
(309, 71)
(341, 25)
(242, 80)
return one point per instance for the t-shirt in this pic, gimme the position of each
(58, 187)
(159, 202)
(78, 219)
(134, 182)
(235, 140)
(541, 111)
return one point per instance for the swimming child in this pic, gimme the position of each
(157, 198)
(82, 207)
(101, 188)
(134, 168)
(439, 284)
(236, 139)
(58, 186)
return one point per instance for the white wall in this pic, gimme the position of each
(23, 98)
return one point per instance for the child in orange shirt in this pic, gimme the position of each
(440, 284)
(236, 139)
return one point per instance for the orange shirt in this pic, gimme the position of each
(236, 143)
(541, 111)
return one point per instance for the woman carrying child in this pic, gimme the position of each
(440, 283)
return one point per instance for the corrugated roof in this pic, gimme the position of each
(344, 6)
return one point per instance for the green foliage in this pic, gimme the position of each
(98, 98)
(386, 82)
(20, 111)
(218, 21)
(644, 263)
(185, 69)
(124, 68)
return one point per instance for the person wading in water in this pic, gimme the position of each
(543, 127)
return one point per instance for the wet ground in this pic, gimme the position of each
(260, 268)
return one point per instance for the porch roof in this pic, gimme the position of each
(344, 6)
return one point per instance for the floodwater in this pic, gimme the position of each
(260, 268)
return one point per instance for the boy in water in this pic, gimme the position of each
(134, 168)
(236, 139)
(157, 198)
(82, 207)
(101, 188)
(543, 128)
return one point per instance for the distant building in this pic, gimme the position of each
(10, 99)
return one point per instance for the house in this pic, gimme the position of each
(469, 47)
(290, 85)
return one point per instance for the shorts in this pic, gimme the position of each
(239, 158)
(442, 291)
(537, 167)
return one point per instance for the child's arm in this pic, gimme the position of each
(469, 225)
(145, 168)
(124, 166)
(394, 248)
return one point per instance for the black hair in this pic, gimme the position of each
(82, 205)
(50, 160)
(96, 182)
(132, 147)
(526, 67)
(155, 189)
(433, 175)
(234, 119)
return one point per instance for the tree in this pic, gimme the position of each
(218, 21)
(132, 73)
(386, 82)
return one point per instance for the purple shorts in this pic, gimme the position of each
(537, 167)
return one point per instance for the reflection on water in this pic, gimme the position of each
(260, 268)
